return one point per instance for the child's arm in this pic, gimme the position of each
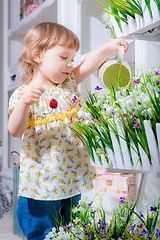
(19, 117)
(96, 58)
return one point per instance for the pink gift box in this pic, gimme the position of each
(114, 182)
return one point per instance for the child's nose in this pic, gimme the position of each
(70, 64)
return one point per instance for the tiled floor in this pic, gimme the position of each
(6, 227)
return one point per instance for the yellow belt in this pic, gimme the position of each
(53, 118)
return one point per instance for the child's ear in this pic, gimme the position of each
(38, 57)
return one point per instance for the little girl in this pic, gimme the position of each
(54, 165)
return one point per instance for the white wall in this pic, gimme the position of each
(0, 70)
(147, 55)
(0, 81)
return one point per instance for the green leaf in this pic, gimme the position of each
(115, 12)
(133, 136)
(131, 211)
(158, 4)
(149, 7)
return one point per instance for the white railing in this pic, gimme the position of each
(139, 25)
(123, 164)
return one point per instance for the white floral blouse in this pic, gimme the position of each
(54, 164)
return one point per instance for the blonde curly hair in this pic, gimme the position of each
(40, 38)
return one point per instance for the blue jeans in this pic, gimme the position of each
(37, 218)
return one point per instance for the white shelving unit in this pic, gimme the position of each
(45, 12)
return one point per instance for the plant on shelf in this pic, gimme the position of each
(126, 108)
(122, 9)
(89, 222)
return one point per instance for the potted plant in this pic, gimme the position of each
(121, 130)
(130, 16)
(89, 222)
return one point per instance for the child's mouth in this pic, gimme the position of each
(66, 73)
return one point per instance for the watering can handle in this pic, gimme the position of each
(120, 54)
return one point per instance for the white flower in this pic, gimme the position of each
(49, 236)
(130, 106)
(61, 229)
(86, 122)
(146, 102)
(118, 95)
(76, 220)
(106, 19)
(76, 209)
(54, 229)
(105, 105)
(62, 235)
(118, 111)
(149, 86)
(99, 151)
(143, 95)
(123, 91)
(108, 99)
(87, 115)
(154, 78)
(80, 113)
(138, 89)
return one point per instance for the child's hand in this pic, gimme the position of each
(32, 94)
(96, 58)
(114, 44)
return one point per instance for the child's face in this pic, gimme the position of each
(57, 64)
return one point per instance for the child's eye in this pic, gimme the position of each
(72, 60)
(63, 57)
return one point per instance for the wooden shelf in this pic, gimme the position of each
(148, 27)
(47, 11)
